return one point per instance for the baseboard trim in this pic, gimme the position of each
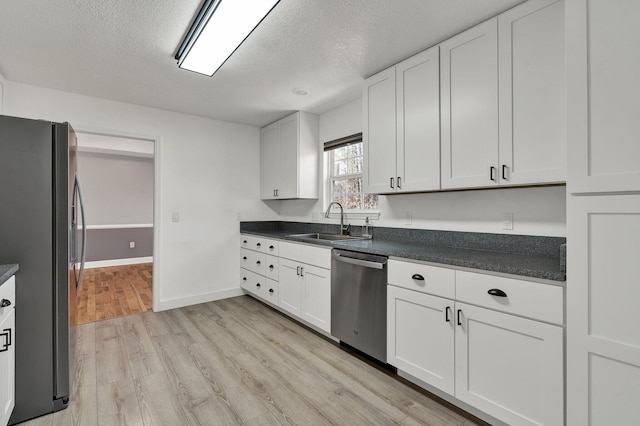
(194, 300)
(118, 262)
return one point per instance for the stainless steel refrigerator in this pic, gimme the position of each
(39, 216)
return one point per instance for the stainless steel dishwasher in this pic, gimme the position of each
(359, 301)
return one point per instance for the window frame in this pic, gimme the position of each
(329, 158)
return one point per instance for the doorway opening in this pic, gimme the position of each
(117, 177)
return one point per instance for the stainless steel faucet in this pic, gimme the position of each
(343, 228)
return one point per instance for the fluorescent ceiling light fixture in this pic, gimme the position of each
(218, 30)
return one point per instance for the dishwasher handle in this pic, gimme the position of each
(359, 262)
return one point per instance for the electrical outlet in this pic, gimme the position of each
(175, 217)
(132, 244)
(239, 216)
(507, 221)
(407, 218)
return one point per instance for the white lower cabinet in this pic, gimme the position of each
(509, 367)
(7, 351)
(420, 336)
(502, 364)
(290, 298)
(305, 291)
(298, 281)
(316, 296)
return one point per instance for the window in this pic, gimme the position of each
(345, 176)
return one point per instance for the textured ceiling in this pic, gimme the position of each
(123, 50)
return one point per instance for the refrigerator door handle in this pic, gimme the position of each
(83, 253)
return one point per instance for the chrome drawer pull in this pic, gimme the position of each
(417, 277)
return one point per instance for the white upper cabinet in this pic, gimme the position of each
(503, 103)
(379, 132)
(289, 158)
(603, 96)
(402, 126)
(532, 93)
(469, 111)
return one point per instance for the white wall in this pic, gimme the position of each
(117, 189)
(208, 170)
(537, 211)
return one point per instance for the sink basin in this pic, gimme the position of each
(326, 237)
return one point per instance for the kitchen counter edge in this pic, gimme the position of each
(7, 271)
(501, 263)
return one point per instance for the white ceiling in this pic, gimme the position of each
(123, 50)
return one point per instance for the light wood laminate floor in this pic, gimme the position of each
(234, 361)
(114, 291)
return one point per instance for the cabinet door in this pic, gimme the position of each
(289, 155)
(270, 167)
(603, 315)
(7, 365)
(469, 113)
(418, 122)
(290, 287)
(317, 297)
(379, 132)
(509, 367)
(420, 336)
(603, 95)
(532, 93)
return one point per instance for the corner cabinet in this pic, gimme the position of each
(494, 343)
(7, 350)
(401, 126)
(289, 151)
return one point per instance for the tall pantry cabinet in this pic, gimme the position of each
(603, 212)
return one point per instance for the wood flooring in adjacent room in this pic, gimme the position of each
(114, 291)
(234, 361)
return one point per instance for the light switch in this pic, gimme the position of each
(175, 217)
(132, 244)
(507, 221)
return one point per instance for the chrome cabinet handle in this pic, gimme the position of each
(399, 182)
(5, 303)
(258, 245)
(258, 285)
(271, 267)
(492, 173)
(298, 270)
(391, 182)
(504, 172)
(417, 277)
(447, 310)
(271, 290)
(258, 262)
(302, 271)
(459, 312)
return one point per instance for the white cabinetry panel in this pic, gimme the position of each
(603, 95)
(379, 132)
(469, 112)
(420, 336)
(509, 367)
(603, 317)
(532, 93)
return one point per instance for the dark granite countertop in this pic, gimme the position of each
(526, 256)
(6, 271)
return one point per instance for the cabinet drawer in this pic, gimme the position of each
(253, 242)
(253, 283)
(271, 292)
(304, 253)
(437, 281)
(526, 298)
(8, 291)
(253, 261)
(271, 267)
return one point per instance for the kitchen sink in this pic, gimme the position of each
(326, 237)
